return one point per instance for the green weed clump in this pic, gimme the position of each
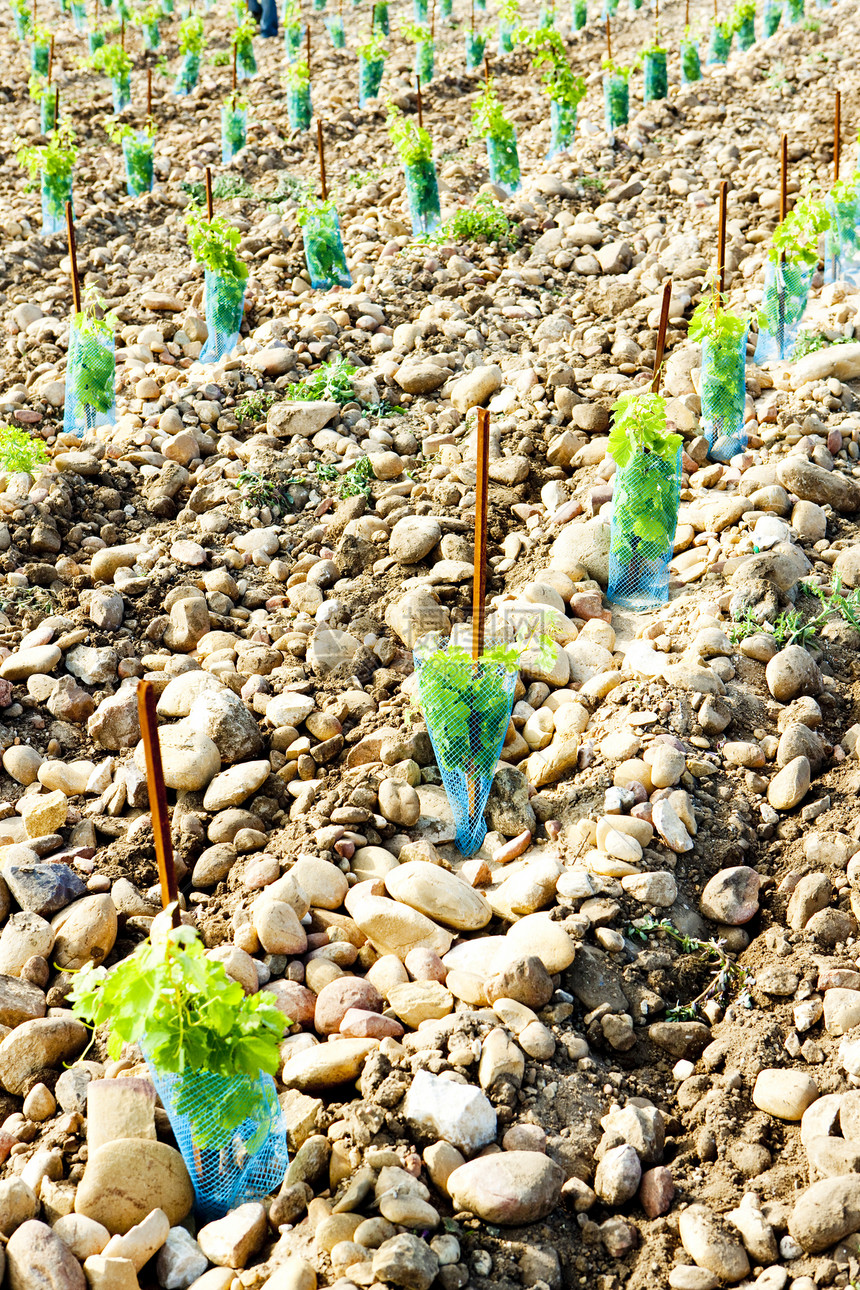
(20, 452)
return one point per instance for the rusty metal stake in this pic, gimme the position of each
(157, 798)
(661, 338)
(73, 258)
(479, 585)
(321, 153)
(721, 235)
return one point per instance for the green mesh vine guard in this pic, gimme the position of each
(786, 291)
(187, 76)
(48, 113)
(656, 76)
(39, 56)
(842, 240)
(562, 127)
(369, 78)
(771, 17)
(299, 109)
(424, 60)
(691, 64)
(720, 45)
(504, 162)
(324, 253)
(475, 45)
(137, 154)
(579, 14)
(90, 382)
(645, 499)
(337, 33)
(723, 395)
(616, 103)
(228, 1167)
(234, 131)
(467, 707)
(246, 62)
(223, 303)
(294, 35)
(120, 89)
(56, 191)
(422, 193)
(746, 33)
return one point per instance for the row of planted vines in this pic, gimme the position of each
(466, 696)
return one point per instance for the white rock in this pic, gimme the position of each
(457, 1113)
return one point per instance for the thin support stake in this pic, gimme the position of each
(321, 152)
(479, 585)
(420, 103)
(73, 259)
(57, 106)
(432, 19)
(608, 41)
(157, 798)
(661, 337)
(308, 46)
(687, 15)
(209, 208)
(149, 96)
(473, 17)
(122, 34)
(837, 134)
(487, 70)
(51, 61)
(721, 235)
(783, 177)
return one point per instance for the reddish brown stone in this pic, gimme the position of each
(295, 1001)
(336, 999)
(656, 1191)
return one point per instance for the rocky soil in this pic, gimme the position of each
(494, 1076)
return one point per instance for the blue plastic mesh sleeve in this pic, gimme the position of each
(324, 253)
(224, 300)
(234, 131)
(228, 1166)
(723, 393)
(645, 499)
(616, 102)
(771, 16)
(422, 192)
(656, 77)
(720, 45)
(467, 707)
(56, 191)
(842, 241)
(562, 125)
(786, 290)
(90, 382)
(691, 66)
(137, 154)
(504, 162)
